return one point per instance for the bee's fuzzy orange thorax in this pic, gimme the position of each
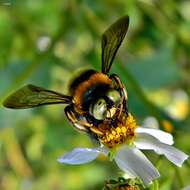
(97, 78)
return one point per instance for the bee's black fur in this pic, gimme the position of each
(84, 76)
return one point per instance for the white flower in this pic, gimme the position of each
(129, 158)
(186, 188)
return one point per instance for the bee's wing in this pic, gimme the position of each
(111, 40)
(32, 96)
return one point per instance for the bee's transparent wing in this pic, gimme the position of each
(111, 40)
(32, 96)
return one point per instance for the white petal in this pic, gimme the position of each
(79, 156)
(162, 136)
(148, 142)
(133, 161)
(186, 188)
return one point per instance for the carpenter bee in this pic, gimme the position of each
(97, 103)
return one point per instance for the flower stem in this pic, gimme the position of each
(155, 185)
(179, 177)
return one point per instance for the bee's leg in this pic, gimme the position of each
(79, 124)
(120, 85)
(122, 90)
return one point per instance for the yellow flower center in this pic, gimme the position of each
(123, 132)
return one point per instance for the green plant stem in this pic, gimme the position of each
(179, 178)
(155, 185)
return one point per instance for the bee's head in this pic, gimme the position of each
(105, 104)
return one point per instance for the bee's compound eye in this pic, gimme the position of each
(99, 109)
(114, 96)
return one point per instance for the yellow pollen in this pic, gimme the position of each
(123, 129)
(113, 133)
(117, 136)
(111, 136)
(118, 130)
(123, 133)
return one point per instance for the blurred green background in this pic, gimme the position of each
(46, 42)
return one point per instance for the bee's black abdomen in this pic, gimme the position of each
(85, 75)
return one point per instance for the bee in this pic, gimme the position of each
(97, 103)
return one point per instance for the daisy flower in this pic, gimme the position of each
(126, 142)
